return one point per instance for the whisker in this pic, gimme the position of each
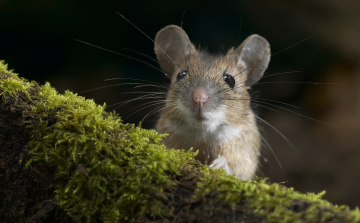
(265, 106)
(266, 142)
(148, 96)
(149, 39)
(172, 112)
(291, 46)
(143, 109)
(156, 110)
(289, 72)
(159, 94)
(153, 112)
(286, 139)
(300, 83)
(94, 89)
(124, 55)
(142, 54)
(126, 78)
(147, 56)
(151, 103)
(151, 85)
(144, 92)
(277, 102)
(301, 115)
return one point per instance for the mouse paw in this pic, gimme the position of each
(221, 162)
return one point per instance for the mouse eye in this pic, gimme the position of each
(181, 75)
(229, 80)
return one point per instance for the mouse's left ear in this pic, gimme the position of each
(254, 57)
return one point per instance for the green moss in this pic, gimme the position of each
(4, 69)
(11, 85)
(274, 201)
(103, 165)
(108, 171)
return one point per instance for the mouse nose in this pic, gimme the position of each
(200, 96)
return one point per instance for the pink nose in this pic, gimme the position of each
(200, 96)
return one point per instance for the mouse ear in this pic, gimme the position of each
(172, 45)
(254, 57)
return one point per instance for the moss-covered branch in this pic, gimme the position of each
(64, 159)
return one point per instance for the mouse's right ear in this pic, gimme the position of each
(172, 45)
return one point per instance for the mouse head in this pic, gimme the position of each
(172, 46)
(204, 82)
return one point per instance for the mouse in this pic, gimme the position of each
(208, 104)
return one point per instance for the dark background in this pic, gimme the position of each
(37, 40)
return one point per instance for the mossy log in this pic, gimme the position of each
(64, 159)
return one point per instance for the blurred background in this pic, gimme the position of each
(37, 40)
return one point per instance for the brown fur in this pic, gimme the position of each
(240, 150)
